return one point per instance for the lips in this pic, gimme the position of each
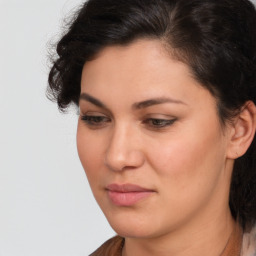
(127, 194)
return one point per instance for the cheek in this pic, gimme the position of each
(190, 159)
(188, 172)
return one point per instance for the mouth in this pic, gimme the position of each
(127, 194)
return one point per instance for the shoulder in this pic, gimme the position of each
(249, 243)
(111, 247)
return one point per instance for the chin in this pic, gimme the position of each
(132, 225)
(132, 231)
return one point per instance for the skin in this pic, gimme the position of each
(187, 162)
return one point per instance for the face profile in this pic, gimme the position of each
(167, 121)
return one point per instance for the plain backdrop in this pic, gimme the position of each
(46, 206)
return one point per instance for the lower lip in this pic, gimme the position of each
(127, 198)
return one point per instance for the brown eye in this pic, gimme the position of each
(159, 123)
(95, 120)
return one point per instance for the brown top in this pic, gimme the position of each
(234, 245)
(113, 247)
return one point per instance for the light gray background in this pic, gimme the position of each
(46, 207)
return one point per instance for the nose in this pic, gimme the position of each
(124, 150)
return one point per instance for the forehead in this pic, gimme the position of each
(137, 61)
(140, 54)
(140, 70)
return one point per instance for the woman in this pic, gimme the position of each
(166, 133)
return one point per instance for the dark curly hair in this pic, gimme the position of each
(216, 39)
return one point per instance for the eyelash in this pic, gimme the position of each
(158, 123)
(101, 121)
(95, 120)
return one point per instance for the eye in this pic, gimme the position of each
(157, 123)
(95, 120)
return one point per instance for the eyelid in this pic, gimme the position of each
(95, 120)
(87, 107)
(159, 123)
(159, 116)
(91, 112)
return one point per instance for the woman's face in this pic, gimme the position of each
(150, 141)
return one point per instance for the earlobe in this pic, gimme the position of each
(243, 131)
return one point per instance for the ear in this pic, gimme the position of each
(242, 131)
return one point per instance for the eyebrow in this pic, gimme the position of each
(155, 101)
(137, 105)
(94, 101)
